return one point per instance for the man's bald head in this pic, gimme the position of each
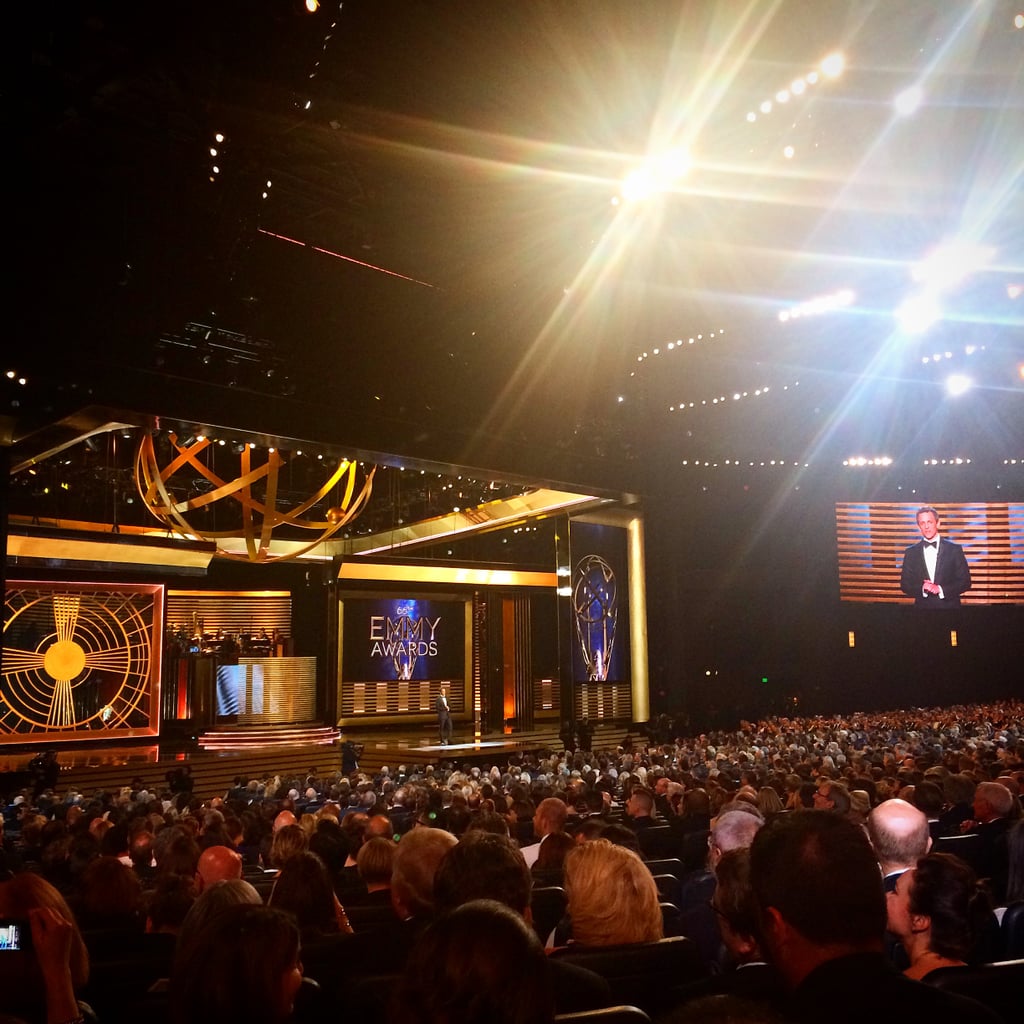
(283, 819)
(899, 835)
(379, 827)
(217, 864)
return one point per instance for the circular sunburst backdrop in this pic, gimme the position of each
(78, 658)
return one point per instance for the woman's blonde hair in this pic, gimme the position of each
(612, 897)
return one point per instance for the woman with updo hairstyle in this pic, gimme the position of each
(479, 964)
(938, 911)
(612, 897)
(243, 966)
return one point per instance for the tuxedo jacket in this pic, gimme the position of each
(951, 573)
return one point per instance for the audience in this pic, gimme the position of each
(910, 777)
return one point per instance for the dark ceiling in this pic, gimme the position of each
(438, 269)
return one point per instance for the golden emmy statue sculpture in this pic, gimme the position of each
(259, 512)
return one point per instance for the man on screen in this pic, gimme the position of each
(935, 571)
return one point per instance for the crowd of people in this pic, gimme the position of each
(772, 867)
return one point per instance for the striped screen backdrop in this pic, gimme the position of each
(872, 537)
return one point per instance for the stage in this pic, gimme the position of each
(92, 766)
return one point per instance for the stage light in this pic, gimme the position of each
(657, 174)
(1013, 290)
(1018, 21)
(213, 151)
(948, 265)
(751, 116)
(312, 6)
(218, 137)
(907, 102)
(788, 152)
(812, 78)
(918, 313)
(797, 86)
(832, 66)
(958, 384)
(766, 107)
(782, 96)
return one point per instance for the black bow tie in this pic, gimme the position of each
(931, 543)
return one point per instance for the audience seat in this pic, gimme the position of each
(695, 849)
(547, 877)
(671, 919)
(969, 848)
(658, 842)
(609, 1015)
(1012, 931)
(667, 866)
(368, 919)
(669, 888)
(640, 974)
(999, 986)
(547, 906)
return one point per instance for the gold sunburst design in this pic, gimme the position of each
(259, 514)
(80, 657)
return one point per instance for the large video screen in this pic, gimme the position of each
(978, 558)
(396, 654)
(403, 638)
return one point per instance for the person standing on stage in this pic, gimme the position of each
(444, 716)
(935, 571)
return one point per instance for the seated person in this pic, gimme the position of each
(479, 964)
(938, 912)
(612, 897)
(244, 965)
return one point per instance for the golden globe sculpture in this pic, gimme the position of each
(253, 493)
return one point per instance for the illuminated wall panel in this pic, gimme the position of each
(80, 661)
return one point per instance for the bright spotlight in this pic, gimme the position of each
(907, 102)
(949, 264)
(637, 185)
(788, 152)
(958, 384)
(832, 66)
(782, 96)
(918, 313)
(766, 107)
(797, 86)
(658, 174)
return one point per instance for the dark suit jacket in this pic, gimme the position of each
(951, 573)
(863, 987)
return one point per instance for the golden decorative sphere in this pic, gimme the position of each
(167, 485)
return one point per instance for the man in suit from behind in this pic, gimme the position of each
(935, 571)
